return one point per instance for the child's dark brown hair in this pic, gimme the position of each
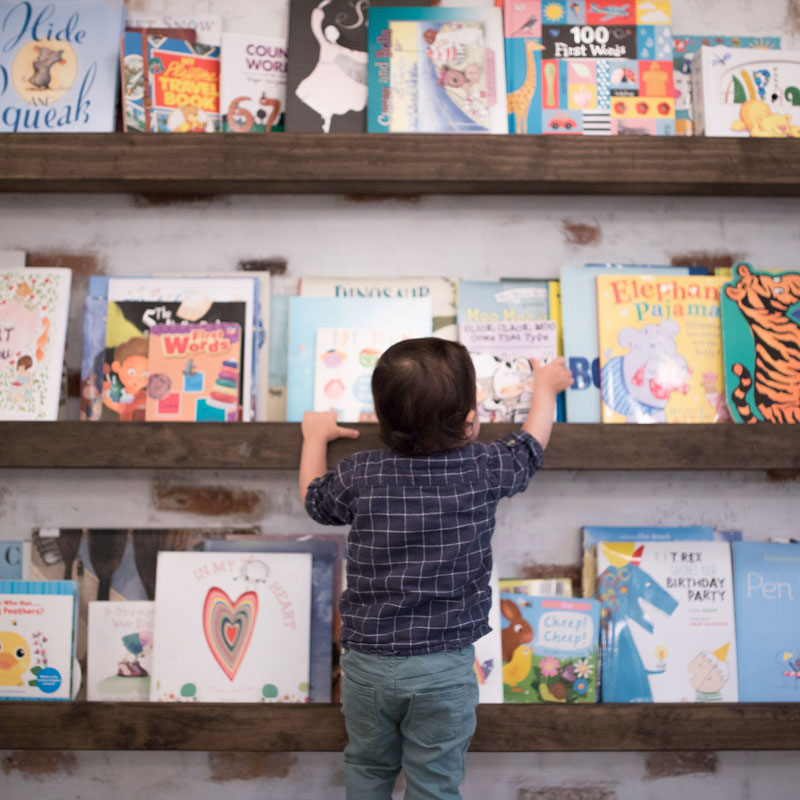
(423, 390)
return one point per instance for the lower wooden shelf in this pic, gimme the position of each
(320, 727)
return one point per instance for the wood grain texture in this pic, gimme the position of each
(276, 445)
(398, 164)
(320, 727)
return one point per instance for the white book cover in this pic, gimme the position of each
(119, 650)
(34, 307)
(252, 83)
(667, 622)
(37, 639)
(232, 627)
(344, 361)
(489, 652)
(12, 259)
(208, 26)
(198, 294)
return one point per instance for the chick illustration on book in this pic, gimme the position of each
(517, 654)
(15, 658)
(518, 668)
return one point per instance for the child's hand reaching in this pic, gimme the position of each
(553, 377)
(323, 425)
(548, 381)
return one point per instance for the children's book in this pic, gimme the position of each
(119, 656)
(766, 587)
(411, 317)
(93, 357)
(550, 649)
(169, 85)
(581, 349)
(207, 27)
(503, 324)
(58, 65)
(12, 259)
(744, 92)
(489, 652)
(667, 633)
(761, 341)
(34, 305)
(594, 67)
(684, 50)
(253, 83)
(436, 70)
(660, 343)
(554, 304)
(15, 559)
(232, 627)
(443, 293)
(278, 357)
(37, 639)
(326, 88)
(540, 587)
(326, 566)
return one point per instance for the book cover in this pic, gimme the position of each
(169, 85)
(540, 587)
(554, 305)
(550, 649)
(443, 293)
(37, 639)
(489, 652)
(58, 65)
(766, 588)
(15, 558)
(278, 357)
(326, 87)
(253, 83)
(581, 348)
(660, 343)
(684, 50)
(412, 317)
(327, 564)
(744, 93)
(194, 372)
(503, 324)
(436, 70)
(232, 627)
(667, 631)
(119, 657)
(93, 357)
(761, 337)
(593, 67)
(207, 27)
(34, 305)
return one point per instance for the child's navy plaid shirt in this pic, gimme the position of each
(419, 552)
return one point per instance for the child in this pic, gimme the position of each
(419, 559)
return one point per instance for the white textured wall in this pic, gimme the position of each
(473, 237)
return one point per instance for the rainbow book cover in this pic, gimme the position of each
(58, 65)
(594, 67)
(761, 339)
(194, 372)
(34, 304)
(667, 632)
(232, 627)
(660, 343)
(550, 648)
(433, 70)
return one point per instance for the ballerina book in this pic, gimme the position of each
(232, 627)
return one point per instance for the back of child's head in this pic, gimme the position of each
(423, 390)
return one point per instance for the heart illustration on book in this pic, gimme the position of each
(228, 627)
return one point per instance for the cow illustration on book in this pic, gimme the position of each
(620, 589)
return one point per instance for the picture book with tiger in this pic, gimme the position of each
(550, 648)
(660, 348)
(761, 335)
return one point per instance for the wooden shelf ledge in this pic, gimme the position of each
(397, 164)
(320, 727)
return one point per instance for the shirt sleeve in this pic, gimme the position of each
(330, 498)
(515, 458)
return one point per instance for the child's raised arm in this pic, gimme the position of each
(319, 428)
(548, 381)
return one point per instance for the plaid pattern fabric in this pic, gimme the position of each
(419, 550)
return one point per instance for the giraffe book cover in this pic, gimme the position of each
(593, 67)
(667, 631)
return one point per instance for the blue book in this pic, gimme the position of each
(766, 589)
(581, 346)
(38, 627)
(306, 314)
(59, 65)
(14, 559)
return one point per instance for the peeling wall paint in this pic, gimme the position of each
(40, 763)
(670, 765)
(225, 767)
(581, 233)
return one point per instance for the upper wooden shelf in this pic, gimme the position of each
(501, 728)
(276, 445)
(397, 164)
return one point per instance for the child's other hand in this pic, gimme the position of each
(322, 425)
(552, 377)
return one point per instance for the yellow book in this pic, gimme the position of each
(660, 348)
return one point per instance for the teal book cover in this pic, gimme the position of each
(550, 649)
(766, 588)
